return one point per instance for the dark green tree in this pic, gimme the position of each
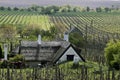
(2, 8)
(107, 9)
(29, 9)
(98, 9)
(15, 9)
(76, 39)
(9, 9)
(88, 9)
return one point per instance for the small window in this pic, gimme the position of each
(70, 57)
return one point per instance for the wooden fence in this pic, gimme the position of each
(59, 73)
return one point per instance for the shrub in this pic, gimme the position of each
(17, 61)
(77, 39)
(4, 64)
(75, 65)
(112, 54)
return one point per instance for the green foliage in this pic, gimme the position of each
(75, 65)
(88, 9)
(2, 8)
(112, 54)
(17, 58)
(9, 9)
(4, 64)
(16, 62)
(98, 9)
(7, 32)
(76, 39)
(107, 9)
(15, 9)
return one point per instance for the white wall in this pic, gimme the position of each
(70, 51)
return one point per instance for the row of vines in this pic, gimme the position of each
(97, 28)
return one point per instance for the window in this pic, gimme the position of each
(70, 57)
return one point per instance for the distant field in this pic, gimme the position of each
(25, 18)
(108, 22)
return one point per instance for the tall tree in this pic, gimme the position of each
(8, 32)
(88, 9)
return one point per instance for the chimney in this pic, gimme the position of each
(66, 36)
(39, 39)
(5, 51)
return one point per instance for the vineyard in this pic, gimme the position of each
(97, 28)
(25, 19)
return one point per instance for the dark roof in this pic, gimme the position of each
(46, 51)
(32, 51)
(35, 43)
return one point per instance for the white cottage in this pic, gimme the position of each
(52, 52)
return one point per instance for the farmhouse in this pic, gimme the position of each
(40, 52)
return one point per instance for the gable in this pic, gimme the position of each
(70, 50)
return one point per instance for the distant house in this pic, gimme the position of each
(39, 52)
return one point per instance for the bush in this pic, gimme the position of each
(17, 61)
(17, 58)
(14, 62)
(75, 65)
(112, 54)
(4, 64)
(77, 39)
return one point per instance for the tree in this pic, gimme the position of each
(2, 8)
(98, 9)
(8, 33)
(34, 7)
(88, 9)
(76, 39)
(107, 9)
(53, 32)
(29, 9)
(9, 9)
(15, 9)
(30, 32)
(112, 54)
(22, 9)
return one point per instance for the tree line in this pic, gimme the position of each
(60, 9)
